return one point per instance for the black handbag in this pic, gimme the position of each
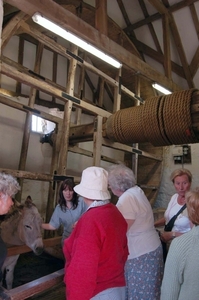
(169, 225)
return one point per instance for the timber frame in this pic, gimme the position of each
(69, 135)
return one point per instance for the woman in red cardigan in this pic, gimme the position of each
(96, 251)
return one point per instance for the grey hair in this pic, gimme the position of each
(120, 177)
(8, 185)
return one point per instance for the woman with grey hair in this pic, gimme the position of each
(144, 267)
(8, 188)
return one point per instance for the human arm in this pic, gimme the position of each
(167, 236)
(160, 222)
(47, 226)
(129, 223)
(54, 222)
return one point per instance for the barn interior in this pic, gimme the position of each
(63, 109)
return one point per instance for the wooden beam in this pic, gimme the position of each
(47, 88)
(195, 63)
(159, 6)
(101, 16)
(157, 56)
(26, 108)
(126, 148)
(77, 26)
(10, 29)
(34, 287)
(97, 141)
(150, 25)
(14, 250)
(195, 18)
(166, 40)
(163, 10)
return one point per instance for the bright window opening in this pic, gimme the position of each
(41, 125)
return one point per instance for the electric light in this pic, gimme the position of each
(39, 19)
(161, 89)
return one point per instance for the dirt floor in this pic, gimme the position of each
(30, 267)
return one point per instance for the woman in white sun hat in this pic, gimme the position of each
(96, 251)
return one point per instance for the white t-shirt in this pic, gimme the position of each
(182, 223)
(142, 236)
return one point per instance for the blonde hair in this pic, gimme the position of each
(181, 172)
(192, 201)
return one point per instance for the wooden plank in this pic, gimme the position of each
(126, 148)
(47, 88)
(14, 250)
(27, 175)
(101, 19)
(81, 131)
(36, 286)
(78, 150)
(26, 108)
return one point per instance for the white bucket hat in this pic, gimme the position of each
(94, 184)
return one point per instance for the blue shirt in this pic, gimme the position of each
(68, 217)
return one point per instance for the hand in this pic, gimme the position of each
(166, 236)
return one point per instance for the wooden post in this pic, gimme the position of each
(67, 115)
(117, 93)
(97, 141)
(101, 16)
(135, 155)
(27, 127)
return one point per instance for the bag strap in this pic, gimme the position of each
(172, 220)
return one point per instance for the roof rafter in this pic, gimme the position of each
(71, 22)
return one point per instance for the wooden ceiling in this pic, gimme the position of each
(145, 35)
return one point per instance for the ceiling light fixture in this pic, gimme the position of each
(161, 89)
(39, 19)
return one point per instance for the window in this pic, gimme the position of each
(41, 125)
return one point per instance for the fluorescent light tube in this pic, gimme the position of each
(39, 19)
(161, 89)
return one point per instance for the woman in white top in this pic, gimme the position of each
(181, 179)
(144, 267)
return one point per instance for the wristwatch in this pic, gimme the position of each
(173, 234)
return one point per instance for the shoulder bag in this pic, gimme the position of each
(169, 226)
